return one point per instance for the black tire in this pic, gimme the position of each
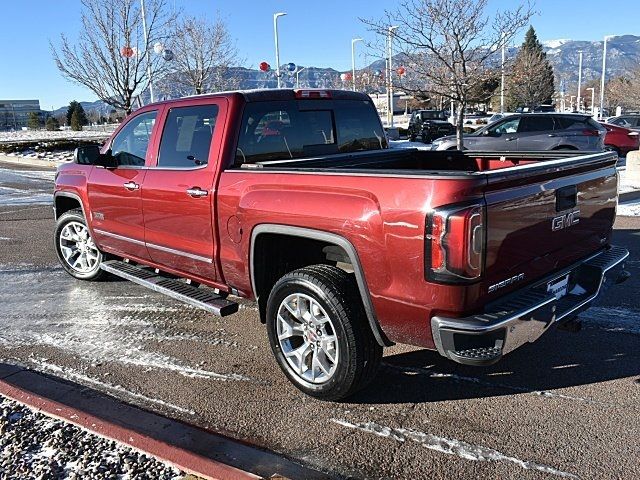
(95, 273)
(359, 353)
(426, 138)
(611, 148)
(412, 138)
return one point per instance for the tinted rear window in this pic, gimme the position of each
(570, 123)
(303, 128)
(535, 123)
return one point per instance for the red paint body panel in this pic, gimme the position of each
(382, 214)
(623, 139)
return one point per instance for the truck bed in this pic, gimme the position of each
(426, 162)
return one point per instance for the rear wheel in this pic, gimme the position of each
(426, 138)
(611, 148)
(75, 248)
(319, 332)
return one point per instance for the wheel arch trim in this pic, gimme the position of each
(333, 239)
(75, 196)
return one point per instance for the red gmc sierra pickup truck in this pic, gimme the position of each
(293, 198)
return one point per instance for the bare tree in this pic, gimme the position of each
(110, 55)
(204, 53)
(624, 91)
(449, 45)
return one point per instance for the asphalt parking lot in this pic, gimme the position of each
(566, 406)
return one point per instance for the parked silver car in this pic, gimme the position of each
(533, 132)
(630, 121)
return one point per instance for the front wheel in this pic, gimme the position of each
(75, 248)
(319, 332)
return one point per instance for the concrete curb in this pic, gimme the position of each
(30, 162)
(189, 448)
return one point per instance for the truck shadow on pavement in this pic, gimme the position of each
(559, 360)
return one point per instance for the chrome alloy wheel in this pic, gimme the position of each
(78, 249)
(307, 338)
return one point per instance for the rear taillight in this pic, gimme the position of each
(454, 244)
(593, 133)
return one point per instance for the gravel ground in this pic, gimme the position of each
(34, 446)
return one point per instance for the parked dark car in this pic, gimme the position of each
(427, 125)
(533, 132)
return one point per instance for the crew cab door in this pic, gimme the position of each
(178, 194)
(114, 194)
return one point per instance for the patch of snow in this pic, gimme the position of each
(629, 209)
(402, 144)
(612, 319)
(555, 43)
(450, 446)
(35, 135)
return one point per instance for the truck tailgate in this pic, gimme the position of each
(542, 217)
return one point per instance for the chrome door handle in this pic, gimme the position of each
(131, 186)
(197, 192)
(510, 139)
(552, 135)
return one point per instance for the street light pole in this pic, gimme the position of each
(579, 79)
(353, 60)
(604, 66)
(146, 49)
(390, 108)
(502, 77)
(298, 77)
(275, 33)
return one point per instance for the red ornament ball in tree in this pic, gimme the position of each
(264, 66)
(127, 52)
(401, 71)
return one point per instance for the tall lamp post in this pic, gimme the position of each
(579, 79)
(502, 77)
(275, 33)
(298, 76)
(146, 50)
(353, 60)
(390, 70)
(604, 66)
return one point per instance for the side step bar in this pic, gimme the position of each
(173, 288)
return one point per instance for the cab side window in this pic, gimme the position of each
(130, 145)
(186, 137)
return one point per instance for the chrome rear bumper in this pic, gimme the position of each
(523, 316)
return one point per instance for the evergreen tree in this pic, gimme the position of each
(76, 123)
(52, 124)
(82, 115)
(531, 81)
(70, 109)
(33, 121)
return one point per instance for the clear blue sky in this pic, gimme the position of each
(313, 33)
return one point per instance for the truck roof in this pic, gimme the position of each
(273, 94)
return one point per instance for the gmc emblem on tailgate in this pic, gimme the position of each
(565, 221)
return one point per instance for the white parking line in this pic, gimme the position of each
(450, 446)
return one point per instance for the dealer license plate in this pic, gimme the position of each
(559, 287)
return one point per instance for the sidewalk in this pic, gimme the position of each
(189, 448)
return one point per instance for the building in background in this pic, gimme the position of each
(14, 114)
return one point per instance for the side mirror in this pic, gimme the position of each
(107, 160)
(86, 155)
